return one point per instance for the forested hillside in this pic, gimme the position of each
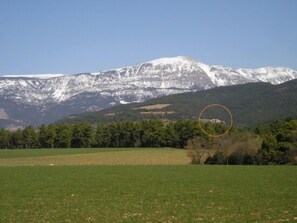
(249, 103)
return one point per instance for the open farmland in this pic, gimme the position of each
(125, 156)
(141, 193)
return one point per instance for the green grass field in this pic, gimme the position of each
(142, 193)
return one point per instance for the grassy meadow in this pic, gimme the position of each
(160, 189)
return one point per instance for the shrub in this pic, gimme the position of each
(235, 158)
(240, 148)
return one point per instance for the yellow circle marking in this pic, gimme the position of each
(221, 106)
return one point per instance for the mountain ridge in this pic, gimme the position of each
(39, 100)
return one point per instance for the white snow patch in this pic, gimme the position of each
(124, 102)
(171, 60)
(39, 76)
(205, 67)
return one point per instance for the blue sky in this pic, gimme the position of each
(72, 36)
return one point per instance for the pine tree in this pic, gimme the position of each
(64, 136)
(30, 138)
(4, 139)
(88, 133)
(17, 140)
(43, 136)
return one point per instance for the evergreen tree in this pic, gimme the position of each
(77, 136)
(30, 138)
(152, 133)
(135, 135)
(107, 136)
(64, 136)
(4, 139)
(171, 136)
(99, 136)
(88, 132)
(114, 135)
(17, 140)
(186, 130)
(43, 136)
(51, 135)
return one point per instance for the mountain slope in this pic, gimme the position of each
(250, 104)
(44, 99)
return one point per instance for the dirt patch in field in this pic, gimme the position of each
(157, 113)
(134, 157)
(110, 114)
(281, 90)
(153, 107)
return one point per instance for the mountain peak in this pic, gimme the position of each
(172, 60)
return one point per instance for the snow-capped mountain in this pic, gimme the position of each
(45, 98)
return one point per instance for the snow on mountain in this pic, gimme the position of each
(40, 76)
(165, 76)
(273, 75)
(155, 78)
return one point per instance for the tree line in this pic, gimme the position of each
(273, 144)
(147, 133)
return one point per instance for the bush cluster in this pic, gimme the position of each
(276, 144)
